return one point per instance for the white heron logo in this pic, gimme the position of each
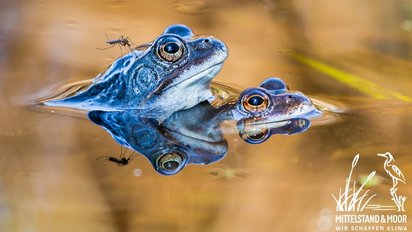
(352, 199)
(395, 173)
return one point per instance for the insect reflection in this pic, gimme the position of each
(122, 160)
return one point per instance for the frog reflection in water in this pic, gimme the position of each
(155, 77)
(195, 135)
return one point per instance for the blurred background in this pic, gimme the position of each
(355, 55)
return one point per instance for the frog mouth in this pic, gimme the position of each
(200, 79)
(205, 75)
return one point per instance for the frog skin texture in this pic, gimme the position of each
(171, 73)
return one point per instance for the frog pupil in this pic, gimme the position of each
(171, 165)
(255, 101)
(171, 48)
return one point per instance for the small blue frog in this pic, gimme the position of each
(171, 73)
(271, 109)
(272, 100)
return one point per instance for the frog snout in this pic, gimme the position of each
(298, 101)
(222, 47)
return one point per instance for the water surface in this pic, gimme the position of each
(50, 179)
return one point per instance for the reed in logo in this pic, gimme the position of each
(351, 199)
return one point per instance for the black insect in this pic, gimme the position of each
(122, 160)
(122, 41)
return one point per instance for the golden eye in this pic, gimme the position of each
(170, 162)
(171, 51)
(255, 102)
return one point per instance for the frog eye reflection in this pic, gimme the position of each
(254, 135)
(171, 51)
(170, 163)
(255, 101)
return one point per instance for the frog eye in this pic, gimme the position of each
(171, 51)
(170, 163)
(253, 134)
(254, 101)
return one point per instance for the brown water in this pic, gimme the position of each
(50, 179)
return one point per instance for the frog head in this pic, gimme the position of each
(155, 77)
(272, 100)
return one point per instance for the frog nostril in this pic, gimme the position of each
(205, 43)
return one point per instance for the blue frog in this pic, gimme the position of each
(272, 100)
(272, 109)
(173, 72)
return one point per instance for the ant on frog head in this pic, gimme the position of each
(122, 160)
